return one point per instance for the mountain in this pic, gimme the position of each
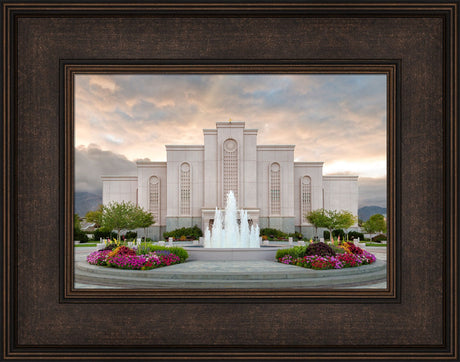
(85, 201)
(365, 212)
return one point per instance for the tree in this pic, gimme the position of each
(76, 222)
(317, 218)
(119, 216)
(376, 223)
(143, 219)
(78, 233)
(95, 216)
(338, 220)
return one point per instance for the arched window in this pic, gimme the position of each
(275, 189)
(230, 155)
(185, 189)
(154, 198)
(305, 197)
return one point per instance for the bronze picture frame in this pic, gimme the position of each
(415, 43)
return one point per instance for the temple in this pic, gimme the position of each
(276, 191)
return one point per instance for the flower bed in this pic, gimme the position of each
(352, 256)
(126, 258)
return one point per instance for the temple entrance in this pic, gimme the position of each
(211, 222)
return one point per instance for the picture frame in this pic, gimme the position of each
(416, 317)
(70, 71)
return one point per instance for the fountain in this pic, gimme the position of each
(227, 234)
(229, 241)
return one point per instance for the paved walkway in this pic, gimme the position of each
(230, 274)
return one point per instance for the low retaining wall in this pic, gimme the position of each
(233, 254)
(230, 274)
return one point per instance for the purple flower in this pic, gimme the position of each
(98, 257)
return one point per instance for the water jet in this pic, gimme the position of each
(230, 240)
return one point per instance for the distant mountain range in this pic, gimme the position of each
(85, 201)
(365, 212)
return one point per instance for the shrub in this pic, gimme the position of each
(193, 232)
(295, 252)
(317, 261)
(127, 258)
(296, 235)
(379, 238)
(131, 235)
(341, 233)
(280, 253)
(337, 249)
(335, 234)
(273, 233)
(355, 234)
(320, 249)
(176, 250)
(80, 235)
(104, 234)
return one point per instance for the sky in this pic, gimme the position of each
(337, 119)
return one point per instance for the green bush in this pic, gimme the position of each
(337, 249)
(104, 234)
(295, 252)
(282, 252)
(176, 250)
(296, 235)
(355, 234)
(80, 235)
(379, 238)
(273, 233)
(335, 233)
(131, 235)
(193, 232)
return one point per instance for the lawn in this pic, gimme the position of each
(368, 243)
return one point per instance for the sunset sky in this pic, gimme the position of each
(338, 119)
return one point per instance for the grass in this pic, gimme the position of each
(374, 244)
(85, 244)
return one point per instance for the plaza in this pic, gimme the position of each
(231, 274)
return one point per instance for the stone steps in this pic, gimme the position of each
(173, 277)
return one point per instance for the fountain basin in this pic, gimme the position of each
(231, 254)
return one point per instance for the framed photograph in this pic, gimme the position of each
(275, 183)
(277, 110)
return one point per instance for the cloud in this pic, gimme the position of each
(372, 191)
(91, 163)
(338, 119)
(324, 115)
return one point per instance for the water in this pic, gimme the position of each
(225, 231)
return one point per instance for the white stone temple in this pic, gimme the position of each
(276, 191)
